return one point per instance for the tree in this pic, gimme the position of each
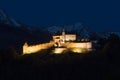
(112, 49)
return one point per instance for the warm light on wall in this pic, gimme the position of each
(59, 50)
(70, 37)
(86, 45)
(67, 37)
(35, 48)
(77, 50)
(74, 47)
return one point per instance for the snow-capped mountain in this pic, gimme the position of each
(80, 29)
(68, 28)
(5, 19)
(16, 34)
(117, 33)
(106, 35)
(86, 32)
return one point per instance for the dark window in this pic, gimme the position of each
(57, 37)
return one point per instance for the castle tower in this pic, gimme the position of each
(25, 47)
(63, 36)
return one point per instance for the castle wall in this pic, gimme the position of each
(86, 45)
(70, 37)
(35, 48)
(67, 37)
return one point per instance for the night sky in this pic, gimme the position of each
(99, 15)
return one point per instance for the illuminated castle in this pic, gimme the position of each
(61, 39)
(28, 49)
(69, 40)
(61, 43)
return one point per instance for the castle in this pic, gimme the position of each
(61, 43)
(61, 39)
(70, 41)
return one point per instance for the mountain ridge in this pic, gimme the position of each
(18, 34)
(6, 19)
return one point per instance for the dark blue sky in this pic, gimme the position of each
(99, 15)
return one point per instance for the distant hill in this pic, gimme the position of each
(14, 36)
